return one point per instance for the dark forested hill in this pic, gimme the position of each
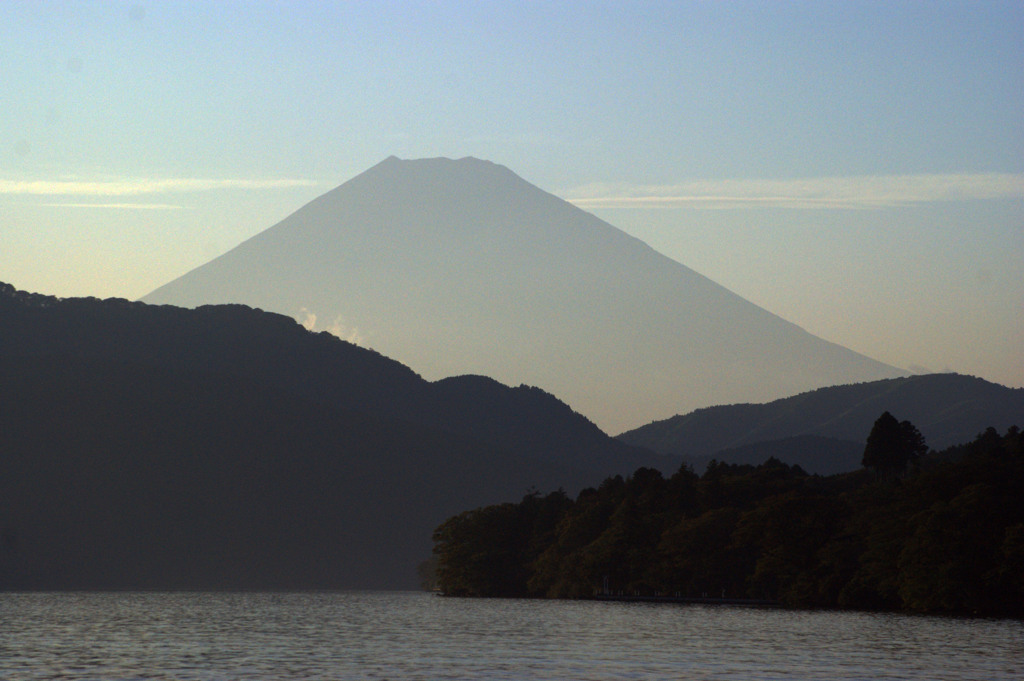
(225, 447)
(946, 536)
(823, 430)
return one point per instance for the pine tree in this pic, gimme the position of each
(892, 445)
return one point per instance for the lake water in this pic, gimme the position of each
(384, 635)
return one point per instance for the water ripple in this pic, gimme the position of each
(382, 635)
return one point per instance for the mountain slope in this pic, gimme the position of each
(224, 447)
(456, 267)
(947, 408)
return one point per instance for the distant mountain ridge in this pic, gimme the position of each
(151, 446)
(461, 267)
(824, 430)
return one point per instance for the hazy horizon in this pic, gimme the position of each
(856, 169)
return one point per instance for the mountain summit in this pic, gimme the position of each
(461, 266)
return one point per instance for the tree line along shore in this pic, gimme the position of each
(914, 530)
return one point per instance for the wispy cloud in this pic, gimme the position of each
(139, 186)
(118, 206)
(876, 191)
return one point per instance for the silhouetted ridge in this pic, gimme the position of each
(528, 417)
(947, 408)
(148, 446)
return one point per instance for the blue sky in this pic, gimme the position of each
(855, 167)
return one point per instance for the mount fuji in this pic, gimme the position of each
(462, 267)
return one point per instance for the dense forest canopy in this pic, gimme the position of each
(947, 536)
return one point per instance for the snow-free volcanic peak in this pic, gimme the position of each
(460, 266)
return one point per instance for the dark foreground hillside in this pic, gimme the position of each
(155, 447)
(946, 538)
